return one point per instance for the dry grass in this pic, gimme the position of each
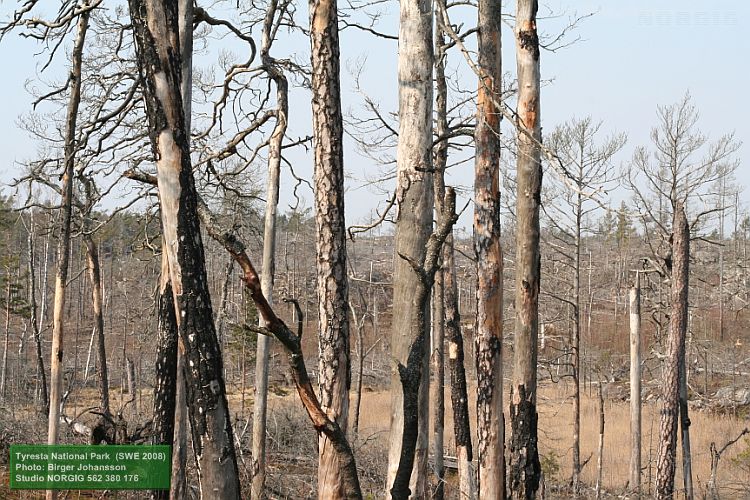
(555, 438)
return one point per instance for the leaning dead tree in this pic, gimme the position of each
(675, 356)
(488, 340)
(155, 27)
(293, 344)
(525, 469)
(414, 199)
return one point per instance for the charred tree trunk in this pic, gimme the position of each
(488, 339)
(333, 313)
(63, 249)
(459, 393)
(166, 367)
(525, 469)
(41, 373)
(155, 26)
(675, 356)
(414, 199)
(269, 252)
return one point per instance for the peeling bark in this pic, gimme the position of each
(44, 401)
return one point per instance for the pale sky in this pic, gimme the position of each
(633, 55)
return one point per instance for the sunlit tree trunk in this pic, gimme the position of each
(155, 26)
(63, 249)
(525, 469)
(413, 226)
(488, 338)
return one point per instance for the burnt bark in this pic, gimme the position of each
(525, 470)
(410, 374)
(459, 392)
(155, 27)
(165, 390)
(666, 464)
(333, 313)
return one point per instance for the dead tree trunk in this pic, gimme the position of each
(440, 160)
(63, 249)
(488, 339)
(6, 342)
(525, 469)
(635, 386)
(359, 323)
(178, 486)
(95, 275)
(675, 356)
(41, 373)
(414, 200)
(269, 251)
(333, 313)
(155, 26)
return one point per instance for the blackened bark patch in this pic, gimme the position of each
(166, 372)
(529, 40)
(459, 393)
(410, 376)
(525, 470)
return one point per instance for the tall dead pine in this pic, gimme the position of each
(675, 355)
(489, 326)
(155, 26)
(525, 470)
